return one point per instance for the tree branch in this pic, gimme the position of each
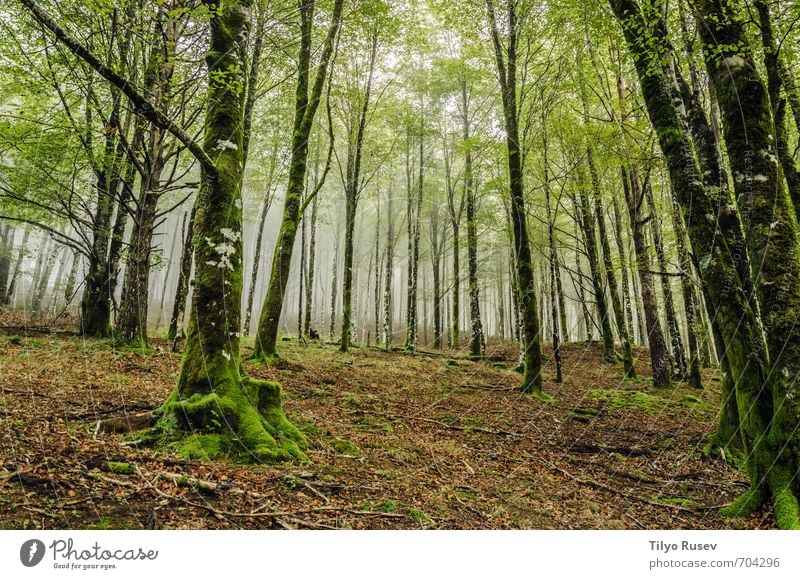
(143, 107)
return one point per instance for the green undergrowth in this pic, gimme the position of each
(644, 402)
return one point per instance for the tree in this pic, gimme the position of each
(506, 61)
(215, 409)
(307, 100)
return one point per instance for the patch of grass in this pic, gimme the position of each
(466, 494)
(419, 516)
(352, 400)
(382, 506)
(108, 523)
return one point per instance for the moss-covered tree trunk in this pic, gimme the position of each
(307, 99)
(506, 60)
(705, 207)
(777, 74)
(771, 235)
(215, 409)
(352, 188)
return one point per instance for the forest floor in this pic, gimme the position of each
(395, 441)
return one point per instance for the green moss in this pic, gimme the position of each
(744, 506)
(119, 467)
(538, 395)
(784, 501)
(345, 446)
(382, 506)
(581, 411)
(203, 446)
(630, 400)
(690, 400)
(241, 420)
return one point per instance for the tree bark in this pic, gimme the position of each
(507, 75)
(307, 101)
(772, 238)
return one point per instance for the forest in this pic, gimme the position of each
(399, 264)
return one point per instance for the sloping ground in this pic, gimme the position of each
(396, 441)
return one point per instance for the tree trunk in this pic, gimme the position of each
(132, 324)
(611, 277)
(553, 263)
(659, 355)
(476, 333)
(312, 258)
(306, 104)
(12, 283)
(215, 409)
(334, 284)
(182, 289)
(776, 74)
(265, 204)
(436, 256)
(587, 223)
(388, 306)
(352, 188)
(772, 238)
(690, 307)
(6, 248)
(507, 75)
(622, 252)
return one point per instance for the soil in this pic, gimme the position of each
(431, 440)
